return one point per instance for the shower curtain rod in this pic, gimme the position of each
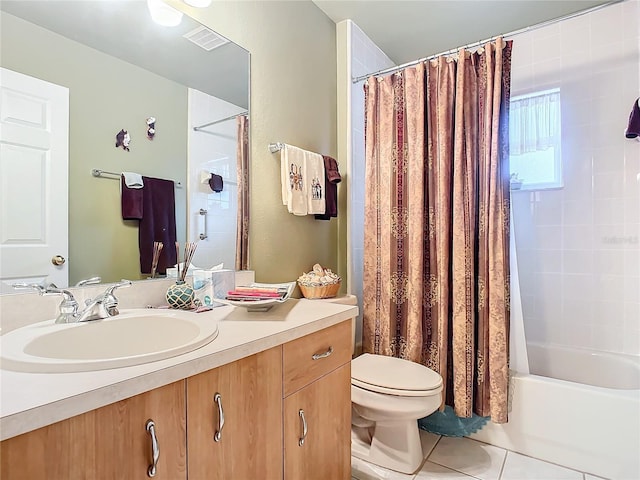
(481, 42)
(200, 127)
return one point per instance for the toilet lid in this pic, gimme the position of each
(392, 375)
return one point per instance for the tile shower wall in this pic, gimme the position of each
(365, 57)
(212, 151)
(579, 246)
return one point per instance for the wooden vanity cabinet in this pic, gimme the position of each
(248, 394)
(260, 398)
(111, 442)
(317, 405)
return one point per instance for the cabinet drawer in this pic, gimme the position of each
(307, 359)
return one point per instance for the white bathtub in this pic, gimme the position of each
(589, 428)
(589, 367)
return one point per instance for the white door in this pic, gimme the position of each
(34, 159)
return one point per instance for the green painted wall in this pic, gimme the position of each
(105, 95)
(293, 100)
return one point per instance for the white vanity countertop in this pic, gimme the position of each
(32, 400)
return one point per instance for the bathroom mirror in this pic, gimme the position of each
(121, 68)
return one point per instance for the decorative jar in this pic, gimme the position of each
(180, 295)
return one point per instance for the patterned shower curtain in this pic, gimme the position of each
(242, 165)
(436, 269)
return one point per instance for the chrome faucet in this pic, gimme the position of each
(103, 306)
(68, 309)
(89, 281)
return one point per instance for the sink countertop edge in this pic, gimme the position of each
(65, 395)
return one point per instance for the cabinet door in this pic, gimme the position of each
(108, 443)
(250, 397)
(326, 450)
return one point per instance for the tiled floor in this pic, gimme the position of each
(465, 459)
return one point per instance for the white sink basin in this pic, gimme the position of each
(133, 337)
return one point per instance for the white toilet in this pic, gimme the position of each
(388, 396)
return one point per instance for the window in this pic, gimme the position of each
(534, 141)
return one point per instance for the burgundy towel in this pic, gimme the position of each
(158, 224)
(215, 183)
(633, 129)
(331, 180)
(131, 202)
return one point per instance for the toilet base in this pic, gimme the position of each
(392, 445)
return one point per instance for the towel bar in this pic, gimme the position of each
(276, 147)
(96, 172)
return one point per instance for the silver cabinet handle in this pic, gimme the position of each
(203, 212)
(218, 435)
(155, 448)
(318, 356)
(304, 428)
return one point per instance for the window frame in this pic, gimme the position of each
(558, 179)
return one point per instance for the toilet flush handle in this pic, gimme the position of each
(318, 356)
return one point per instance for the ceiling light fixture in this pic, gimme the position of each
(163, 14)
(198, 3)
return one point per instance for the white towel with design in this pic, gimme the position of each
(292, 176)
(314, 169)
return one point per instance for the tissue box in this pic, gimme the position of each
(209, 285)
(223, 281)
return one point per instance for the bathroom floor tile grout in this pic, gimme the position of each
(504, 461)
(445, 466)
(539, 460)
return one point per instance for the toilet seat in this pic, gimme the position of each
(394, 376)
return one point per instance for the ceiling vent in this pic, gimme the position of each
(205, 38)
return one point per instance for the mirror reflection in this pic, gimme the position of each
(121, 71)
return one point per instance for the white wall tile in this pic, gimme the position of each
(549, 261)
(607, 262)
(576, 111)
(631, 288)
(607, 338)
(608, 185)
(546, 47)
(577, 237)
(578, 286)
(630, 18)
(534, 330)
(545, 209)
(577, 212)
(548, 237)
(602, 187)
(577, 261)
(631, 343)
(545, 73)
(608, 211)
(610, 314)
(605, 25)
(609, 159)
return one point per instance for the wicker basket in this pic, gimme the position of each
(324, 291)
